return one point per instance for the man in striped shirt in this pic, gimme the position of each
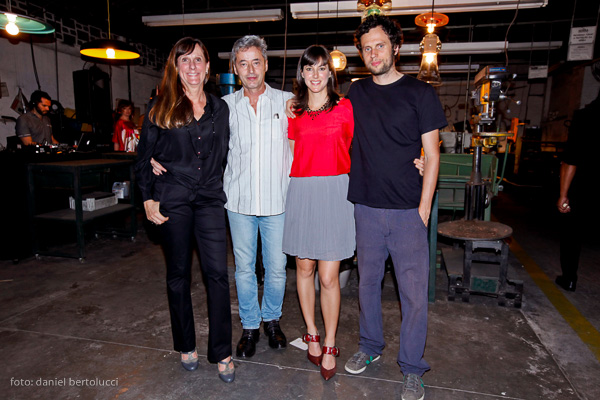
(255, 181)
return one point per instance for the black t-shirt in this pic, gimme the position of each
(388, 123)
(580, 149)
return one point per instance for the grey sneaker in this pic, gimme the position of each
(358, 362)
(413, 388)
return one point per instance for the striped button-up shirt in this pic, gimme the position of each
(259, 160)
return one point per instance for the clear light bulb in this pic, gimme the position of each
(110, 53)
(11, 27)
(430, 28)
(429, 57)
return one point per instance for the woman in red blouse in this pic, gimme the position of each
(319, 221)
(126, 135)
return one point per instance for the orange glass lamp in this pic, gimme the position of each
(431, 20)
(429, 72)
(339, 60)
(373, 7)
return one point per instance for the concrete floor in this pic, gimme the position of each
(101, 330)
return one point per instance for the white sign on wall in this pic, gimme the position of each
(537, 71)
(581, 43)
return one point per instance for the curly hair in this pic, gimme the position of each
(391, 28)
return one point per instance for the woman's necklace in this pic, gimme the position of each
(314, 113)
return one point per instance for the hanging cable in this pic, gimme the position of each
(37, 79)
(285, 44)
(183, 18)
(508, 29)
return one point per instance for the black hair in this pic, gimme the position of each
(391, 27)
(315, 55)
(37, 97)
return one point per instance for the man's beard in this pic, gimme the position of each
(42, 113)
(383, 68)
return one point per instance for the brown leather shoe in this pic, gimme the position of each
(327, 374)
(316, 339)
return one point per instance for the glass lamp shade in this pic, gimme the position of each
(107, 49)
(431, 20)
(339, 60)
(429, 71)
(15, 24)
(373, 7)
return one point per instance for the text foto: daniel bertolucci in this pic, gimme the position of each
(64, 382)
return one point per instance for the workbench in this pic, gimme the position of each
(73, 178)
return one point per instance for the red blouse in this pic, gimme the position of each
(126, 135)
(322, 144)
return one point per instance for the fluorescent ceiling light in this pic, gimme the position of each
(225, 17)
(445, 68)
(447, 49)
(334, 9)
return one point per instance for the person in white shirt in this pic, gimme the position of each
(256, 181)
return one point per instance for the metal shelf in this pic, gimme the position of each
(74, 176)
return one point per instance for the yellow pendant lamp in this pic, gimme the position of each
(108, 49)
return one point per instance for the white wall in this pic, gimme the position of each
(17, 71)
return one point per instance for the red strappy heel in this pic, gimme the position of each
(316, 339)
(327, 374)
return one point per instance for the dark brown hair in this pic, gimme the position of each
(391, 28)
(123, 104)
(315, 55)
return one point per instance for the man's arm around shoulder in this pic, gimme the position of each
(431, 149)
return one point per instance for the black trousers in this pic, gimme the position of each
(194, 216)
(574, 227)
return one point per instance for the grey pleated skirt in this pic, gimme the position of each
(319, 220)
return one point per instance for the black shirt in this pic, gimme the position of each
(194, 155)
(580, 149)
(388, 123)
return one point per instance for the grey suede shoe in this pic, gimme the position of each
(191, 364)
(228, 375)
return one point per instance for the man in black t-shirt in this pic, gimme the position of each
(395, 116)
(577, 176)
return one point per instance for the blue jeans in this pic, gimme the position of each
(244, 234)
(401, 233)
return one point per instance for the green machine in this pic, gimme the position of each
(478, 261)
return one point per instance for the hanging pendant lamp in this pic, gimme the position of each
(338, 58)
(430, 46)
(372, 7)
(15, 23)
(108, 49)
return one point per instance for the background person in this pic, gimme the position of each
(575, 202)
(319, 222)
(35, 127)
(187, 131)
(126, 135)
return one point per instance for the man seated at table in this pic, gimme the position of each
(35, 127)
